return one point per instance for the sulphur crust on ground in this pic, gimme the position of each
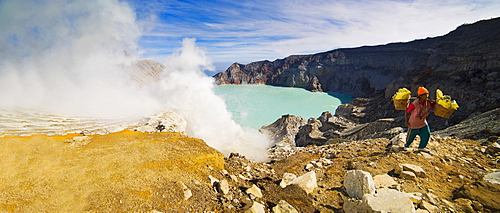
(123, 171)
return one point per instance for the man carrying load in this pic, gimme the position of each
(415, 119)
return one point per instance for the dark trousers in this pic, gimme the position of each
(425, 134)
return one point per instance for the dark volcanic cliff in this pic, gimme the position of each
(465, 64)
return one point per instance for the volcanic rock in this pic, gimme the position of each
(284, 207)
(408, 175)
(307, 182)
(166, 121)
(417, 170)
(493, 149)
(224, 186)
(256, 208)
(292, 131)
(429, 207)
(185, 189)
(386, 200)
(486, 193)
(333, 122)
(493, 178)
(287, 179)
(358, 183)
(284, 130)
(384, 181)
(477, 126)
(399, 140)
(255, 191)
(309, 134)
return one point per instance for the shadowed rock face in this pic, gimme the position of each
(284, 130)
(465, 64)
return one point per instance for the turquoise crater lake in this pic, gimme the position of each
(257, 105)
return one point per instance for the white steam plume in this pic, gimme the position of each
(67, 56)
(189, 92)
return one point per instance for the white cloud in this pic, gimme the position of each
(377, 22)
(248, 31)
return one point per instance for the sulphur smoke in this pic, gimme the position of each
(68, 57)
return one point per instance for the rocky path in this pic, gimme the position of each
(451, 179)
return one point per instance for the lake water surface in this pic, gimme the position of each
(257, 105)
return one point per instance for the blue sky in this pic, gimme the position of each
(246, 31)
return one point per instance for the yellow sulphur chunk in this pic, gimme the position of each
(402, 93)
(445, 100)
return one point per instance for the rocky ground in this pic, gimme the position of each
(453, 180)
(168, 172)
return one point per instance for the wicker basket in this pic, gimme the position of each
(401, 104)
(442, 112)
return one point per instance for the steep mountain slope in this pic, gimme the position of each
(465, 64)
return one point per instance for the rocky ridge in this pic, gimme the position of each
(464, 64)
(291, 131)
